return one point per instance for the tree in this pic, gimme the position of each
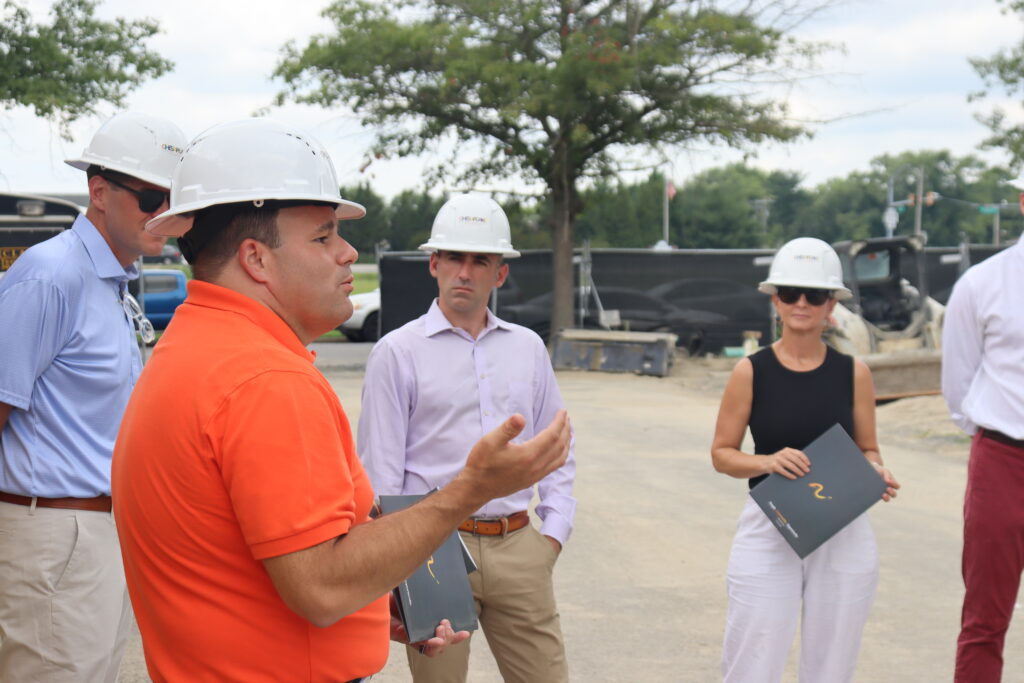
(368, 231)
(64, 69)
(1004, 70)
(552, 90)
(622, 215)
(718, 209)
(410, 215)
(962, 183)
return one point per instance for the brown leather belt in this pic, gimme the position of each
(97, 504)
(496, 527)
(1002, 438)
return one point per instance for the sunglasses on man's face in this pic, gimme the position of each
(149, 199)
(815, 297)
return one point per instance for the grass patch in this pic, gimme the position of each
(365, 282)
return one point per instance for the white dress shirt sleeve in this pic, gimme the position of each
(557, 506)
(384, 418)
(962, 343)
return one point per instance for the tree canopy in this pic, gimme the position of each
(64, 68)
(552, 91)
(1004, 71)
(741, 207)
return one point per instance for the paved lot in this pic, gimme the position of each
(641, 582)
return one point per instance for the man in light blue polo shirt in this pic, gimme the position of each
(70, 360)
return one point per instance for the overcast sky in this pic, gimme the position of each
(904, 69)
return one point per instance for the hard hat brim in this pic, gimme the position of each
(467, 248)
(83, 164)
(178, 221)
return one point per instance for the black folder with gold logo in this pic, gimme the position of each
(809, 510)
(439, 588)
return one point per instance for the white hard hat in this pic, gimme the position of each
(471, 223)
(806, 262)
(253, 160)
(138, 145)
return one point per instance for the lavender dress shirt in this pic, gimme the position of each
(431, 391)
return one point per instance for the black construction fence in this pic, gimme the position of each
(708, 297)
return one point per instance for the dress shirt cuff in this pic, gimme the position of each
(557, 527)
(964, 423)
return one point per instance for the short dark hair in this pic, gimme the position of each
(218, 231)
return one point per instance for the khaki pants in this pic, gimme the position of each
(64, 609)
(515, 601)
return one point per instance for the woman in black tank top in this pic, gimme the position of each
(788, 394)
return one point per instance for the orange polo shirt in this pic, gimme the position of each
(233, 449)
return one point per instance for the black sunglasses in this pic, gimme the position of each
(815, 297)
(149, 199)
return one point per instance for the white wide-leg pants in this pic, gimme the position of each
(770, 588)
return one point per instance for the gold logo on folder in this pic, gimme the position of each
(431, 570)
(817, 491)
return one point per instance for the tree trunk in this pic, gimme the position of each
(563, 219)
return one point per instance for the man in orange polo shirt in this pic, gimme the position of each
(241, 506)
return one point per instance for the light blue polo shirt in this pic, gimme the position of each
(68, 362)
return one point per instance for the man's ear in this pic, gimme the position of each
(254, 258)
(502, 275)
(98, 192)
(433, 262)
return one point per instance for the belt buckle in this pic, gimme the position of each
(504, 527)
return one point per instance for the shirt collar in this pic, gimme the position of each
(436, 322)
(103, 260)
(213, 296)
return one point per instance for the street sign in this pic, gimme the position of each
(988, 209)
(890, 218)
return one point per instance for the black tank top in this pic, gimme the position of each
(791, 409)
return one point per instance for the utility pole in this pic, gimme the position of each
(919, 204)
(664, 209)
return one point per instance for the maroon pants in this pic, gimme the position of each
(993, 556)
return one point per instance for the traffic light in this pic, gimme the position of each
(931, 198)
(911, 199)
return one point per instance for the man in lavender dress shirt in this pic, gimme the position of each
(983, 384)
(432, 388)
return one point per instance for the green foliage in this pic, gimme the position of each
(717, 210)
(1004, 72)
(842, 209)
(410, 216)
(551, 90)
(548, 88)
(622, 215)
(736, 206)
(365, 282)
(963, 183)
(63, 69)
(365, 233)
